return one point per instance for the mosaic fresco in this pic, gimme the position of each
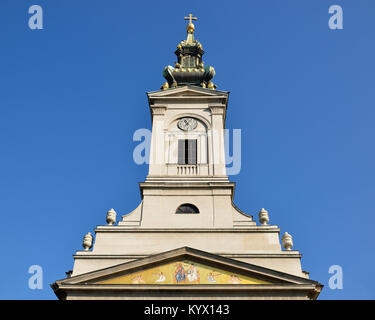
(183, 272)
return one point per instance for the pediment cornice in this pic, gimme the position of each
(186, 253)
(190, 93)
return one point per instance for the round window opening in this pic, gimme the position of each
(187, 208)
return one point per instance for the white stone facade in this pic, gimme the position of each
(219, 227)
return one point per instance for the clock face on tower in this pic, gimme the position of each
(187, 124)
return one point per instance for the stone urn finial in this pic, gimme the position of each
(287, 241)
(111, 217)
(263, 217)
(87, 241)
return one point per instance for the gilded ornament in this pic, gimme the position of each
(211, 85)
(165, 85)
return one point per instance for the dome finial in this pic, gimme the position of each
(190, 28)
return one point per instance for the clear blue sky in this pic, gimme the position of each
(302, 94)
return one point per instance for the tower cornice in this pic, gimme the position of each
(158, 109)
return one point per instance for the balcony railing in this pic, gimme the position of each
(187, 169)
(174, 169)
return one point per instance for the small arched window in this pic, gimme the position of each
(187, 208)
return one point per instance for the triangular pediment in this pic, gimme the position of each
(183, 271)
(187, 91)
(185, 266)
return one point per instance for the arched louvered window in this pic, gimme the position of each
(187, 208)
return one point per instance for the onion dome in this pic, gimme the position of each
(189, 68)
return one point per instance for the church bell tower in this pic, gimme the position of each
(187, 239)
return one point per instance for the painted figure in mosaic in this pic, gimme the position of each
(193, 274)
(161, 277)
(180, 273)
(138, 279)
(234, 279)
(211, 277)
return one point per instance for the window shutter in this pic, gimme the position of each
(192, 152)
(181, 151)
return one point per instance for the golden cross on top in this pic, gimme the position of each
(190, 17)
